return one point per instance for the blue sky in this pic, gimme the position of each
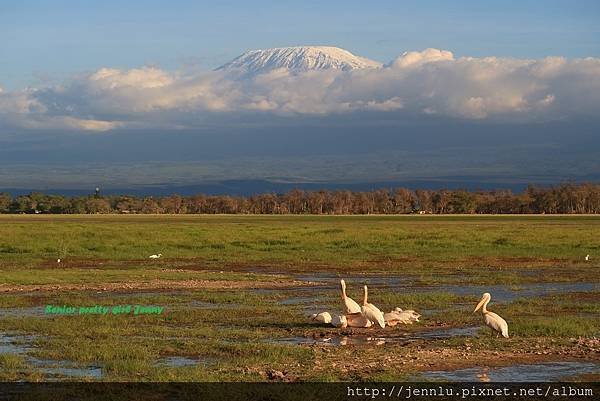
(43, 42)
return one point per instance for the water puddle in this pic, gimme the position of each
(442, 334)
(507, 293)
(362, 339)
(15, 344)
(176, 361)
(31, 311)
(181, 361)
(53, 369)
(500, 293)
(336, 340)
(551, 371)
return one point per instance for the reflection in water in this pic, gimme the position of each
(483, 376)
(381, 339)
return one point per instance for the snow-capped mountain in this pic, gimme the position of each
(300, 58)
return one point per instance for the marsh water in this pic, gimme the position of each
(380, 338)
(315, 298)
(500, 292)
(551, 371)
(52, 369)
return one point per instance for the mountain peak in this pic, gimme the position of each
(298, 58)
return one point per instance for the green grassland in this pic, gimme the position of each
(328, 240)
(232, 333)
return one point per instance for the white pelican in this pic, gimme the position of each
(398, 316)
(339, 321)
(350, 305)
(392, 319)
(412, 315)
(351, 320)
(492, 320)
(587, 258)
(323, 317)
(155, 256)
(370, 311)
(358, 320)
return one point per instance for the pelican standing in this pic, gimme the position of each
(370, 311)
(492, 320)
(350, 305)
(587, 258)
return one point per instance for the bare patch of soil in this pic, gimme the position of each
(420, 356)
(157, 284)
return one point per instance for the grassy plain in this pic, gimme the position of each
(237, 289)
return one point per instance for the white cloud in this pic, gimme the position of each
(110, 78)
(430, 82)
(415, 59)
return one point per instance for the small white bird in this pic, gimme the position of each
(491, 319)
(350, 305)
(155, 256)
(370, 311)
(58, 260)
(323, 317)
(587, 258)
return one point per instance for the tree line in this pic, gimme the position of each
(565, 198)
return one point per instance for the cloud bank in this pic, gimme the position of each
(423, 84)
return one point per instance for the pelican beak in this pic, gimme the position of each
(479, 305)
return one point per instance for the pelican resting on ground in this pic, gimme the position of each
(492, 320)
(370, 311)
(155, 256)
(412, 315)
(323, 317)
(398, 316)
(339, 321)
(349, 304)
(356, 320)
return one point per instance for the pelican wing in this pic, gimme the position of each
(398, 317)
(372, 313)
(391, 319)
(358, 320)
(496, 323)
(351, 305)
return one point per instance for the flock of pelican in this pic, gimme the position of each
(368, 315)
(365, 315)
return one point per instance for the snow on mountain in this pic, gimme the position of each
(300, 58)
